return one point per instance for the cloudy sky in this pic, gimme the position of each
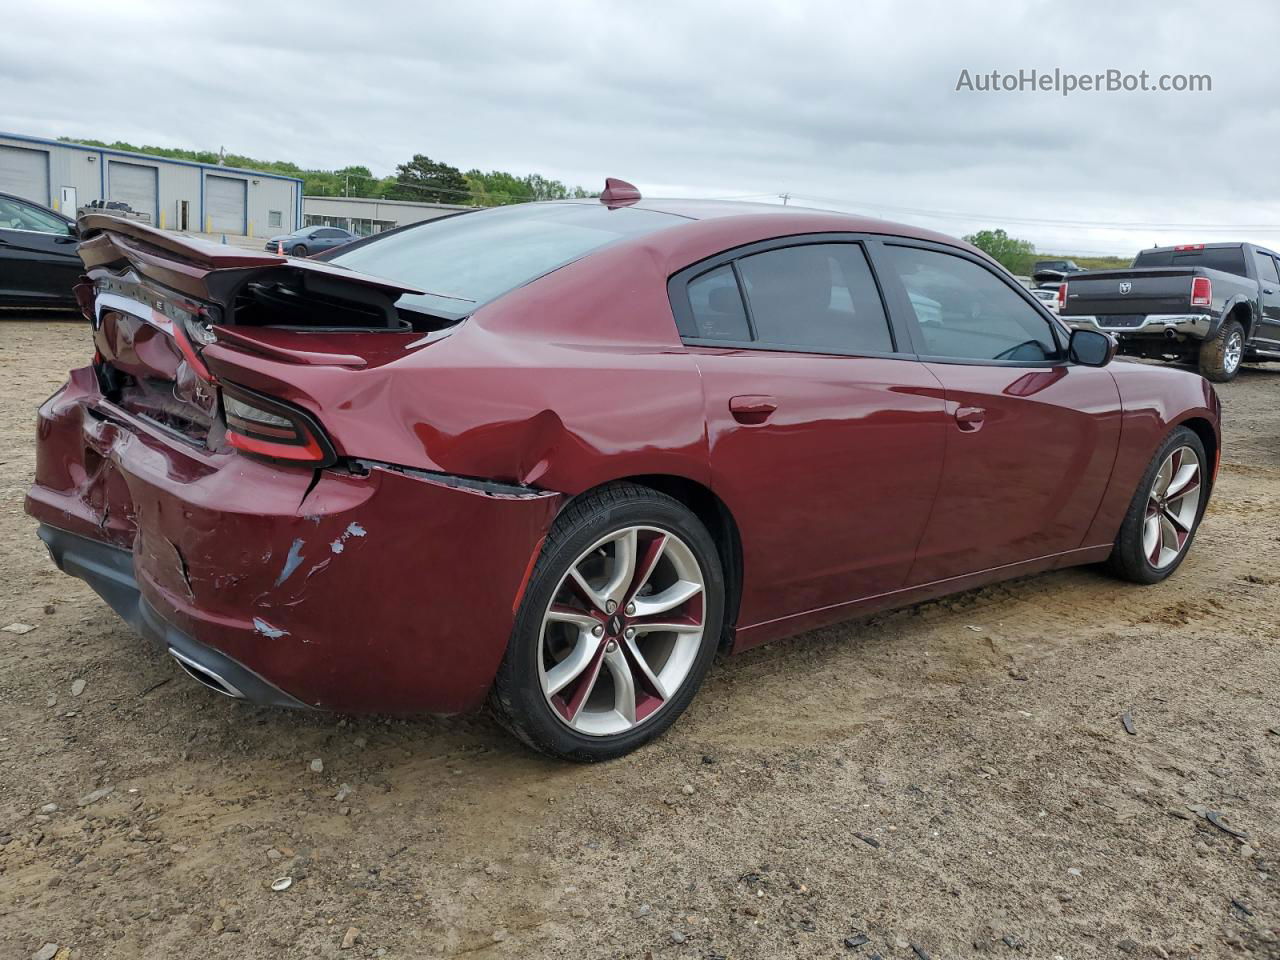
(842, 105)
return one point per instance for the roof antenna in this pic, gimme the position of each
(618, 193)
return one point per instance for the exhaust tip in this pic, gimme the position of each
(205, 676)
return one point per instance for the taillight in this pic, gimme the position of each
(1062, 295)
(1188, 246)
(268, 428)
(1201, 292)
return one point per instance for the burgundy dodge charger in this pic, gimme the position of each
(557, 455)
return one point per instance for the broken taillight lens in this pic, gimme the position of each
(271, 429)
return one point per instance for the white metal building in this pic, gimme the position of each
(365, 216)
(172, 194)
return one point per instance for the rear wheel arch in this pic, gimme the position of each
(1242, 313)
(714, 514)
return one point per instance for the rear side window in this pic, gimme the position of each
(1266, 267)
(1226, 259)
(717, 306)
(965, 312)
(817, 297)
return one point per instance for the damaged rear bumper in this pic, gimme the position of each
(109, 571)
(374, 590)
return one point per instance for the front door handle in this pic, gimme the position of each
(752, 409)
(970, 419)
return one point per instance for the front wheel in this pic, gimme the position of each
(617, 628)
(1165, 511)
(300, 250)
(1221, 355)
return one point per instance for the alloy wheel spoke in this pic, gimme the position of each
(587, 592)
(646, 675)
(573, 706)
(673, 597)
(1172, 516)
(665, 625)
(1151, 538)
(571, 667)
(1184, 481)
(624, 566)
(624, 684)
(1163, 478)
(558, 613)
(1168, 535)
(647, 562)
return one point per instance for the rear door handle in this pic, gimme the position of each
(970, 419)
(752, 409)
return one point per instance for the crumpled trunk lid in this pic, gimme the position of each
(158, 300)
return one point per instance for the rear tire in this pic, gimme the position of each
(1221, 356)
(1162, 506)
(589, 674)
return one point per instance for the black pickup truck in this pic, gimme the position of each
(1212, 304)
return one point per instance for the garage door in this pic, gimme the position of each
(25, 173)
(224, 199)
(135, 185)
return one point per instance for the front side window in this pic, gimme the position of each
(816, 296)
(15, 215)
(965, 312)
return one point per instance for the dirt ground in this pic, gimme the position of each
(950, 780)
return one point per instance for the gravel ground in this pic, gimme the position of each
(949, 780)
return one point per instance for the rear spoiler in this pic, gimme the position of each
(206, 271)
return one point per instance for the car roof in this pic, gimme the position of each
(791, 218)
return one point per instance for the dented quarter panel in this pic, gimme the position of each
(562, 385)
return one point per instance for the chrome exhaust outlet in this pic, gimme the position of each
(204, 675)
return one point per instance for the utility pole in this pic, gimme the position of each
(784, 197)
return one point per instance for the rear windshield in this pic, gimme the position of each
(1226, 259)
(469, 259)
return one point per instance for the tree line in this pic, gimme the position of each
(419, 178)
(1019, 256)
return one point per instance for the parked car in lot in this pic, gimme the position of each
(38, 260)
(1054, 271)
(309, 240)
(1215, 305)
(556, 455)
(113, 208)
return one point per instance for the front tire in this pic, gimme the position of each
(1165, 512)
(1220, 356)
(617, 628)
(300, 250)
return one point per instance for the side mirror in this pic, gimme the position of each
(1091, 348)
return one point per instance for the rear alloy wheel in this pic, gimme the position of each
(1165, 513)
(1220, 357)
(300, 250)
(618, 626)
